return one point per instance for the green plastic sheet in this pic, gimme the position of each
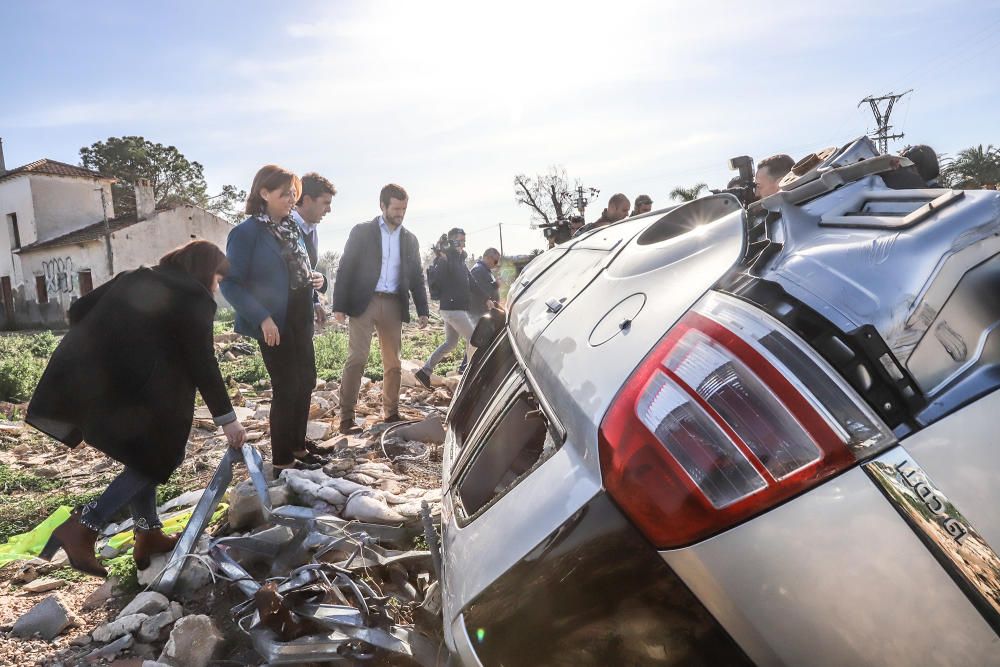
(28, 545)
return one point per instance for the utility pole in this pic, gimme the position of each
(500, 225)
(881, 134)
(107, 235)
(581, 198)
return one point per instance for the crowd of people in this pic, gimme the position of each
(142, 343)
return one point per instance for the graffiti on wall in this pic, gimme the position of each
(59, 277)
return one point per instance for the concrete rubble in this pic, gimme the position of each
(309, 565)
(47, 619)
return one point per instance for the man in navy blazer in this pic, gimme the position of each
(315, 202)
(379, 271)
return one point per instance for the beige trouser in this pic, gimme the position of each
(384, 315)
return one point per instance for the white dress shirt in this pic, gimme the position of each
(388, 277)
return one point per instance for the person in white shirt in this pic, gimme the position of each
(378, 272)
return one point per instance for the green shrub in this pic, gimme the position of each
(42, 345)
(20, 367)
(248, 369)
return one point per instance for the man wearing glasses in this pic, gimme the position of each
(450, 280)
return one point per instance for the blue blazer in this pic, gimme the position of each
(257, 284)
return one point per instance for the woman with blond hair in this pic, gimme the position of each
(123, 379)
(270, 284)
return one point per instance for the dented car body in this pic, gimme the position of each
(709, 435)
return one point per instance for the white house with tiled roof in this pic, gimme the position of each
(60, 238)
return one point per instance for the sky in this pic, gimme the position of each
(452, 99)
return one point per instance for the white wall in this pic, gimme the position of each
(15, 197)
(140, 244)
(147, 241)
(63, 204)
(61, 267)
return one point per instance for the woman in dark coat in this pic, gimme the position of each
(123, 379)
(270, 284)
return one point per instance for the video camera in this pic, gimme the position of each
(562, 229)
(741, 186)
(444, 243)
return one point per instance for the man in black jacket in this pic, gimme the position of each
(314, 203)
(453, 280)
(485, 288)
(379, 270)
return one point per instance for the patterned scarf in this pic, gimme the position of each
(293, 250)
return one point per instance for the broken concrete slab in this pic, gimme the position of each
(99, 597)
(193, 642)
(429, 430)
(318, 430)
(47, 619)
(245, 510)
(147, 602)
(155, 627)
(123, 625)
(43, 585)
(111, 650)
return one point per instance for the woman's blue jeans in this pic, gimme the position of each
(130, 488)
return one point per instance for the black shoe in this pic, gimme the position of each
(313, 448)
(348, 427)
(311, 459)
(295, 465)
(393, 418)
(423, 377)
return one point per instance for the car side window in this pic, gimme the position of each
(488, 377)
(508, 449)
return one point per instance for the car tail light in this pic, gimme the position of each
(729, 415)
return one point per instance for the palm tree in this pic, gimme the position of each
(687, 194)
(976, 164)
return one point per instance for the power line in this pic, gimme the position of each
(882, 114)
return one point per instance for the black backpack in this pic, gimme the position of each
(433, 282)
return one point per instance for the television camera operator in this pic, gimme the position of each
(562, 229)
(450, 283)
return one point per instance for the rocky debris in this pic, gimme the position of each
(47, 619)
(99, 597)
(123, 625)
(316, 430)
(147, 602)
(245, 510)
(43, 585)
(155, 627)
(111, 650)
(193, 642)
(360, 485)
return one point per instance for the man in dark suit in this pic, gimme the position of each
(317, 196)
(379, 270)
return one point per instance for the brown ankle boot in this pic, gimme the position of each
(149, 542)
(78, 542)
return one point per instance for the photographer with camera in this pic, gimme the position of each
(770, 171)
(450, 283)
(562, 229)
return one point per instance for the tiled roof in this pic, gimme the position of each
(92, 232)
(53, 168)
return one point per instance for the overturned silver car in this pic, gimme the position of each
(711, 435)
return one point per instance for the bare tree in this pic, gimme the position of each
(549, 195)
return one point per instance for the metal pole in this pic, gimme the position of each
(107, 235)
